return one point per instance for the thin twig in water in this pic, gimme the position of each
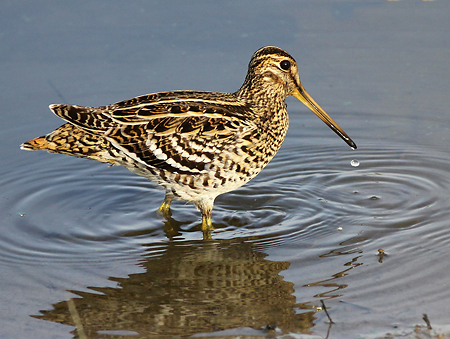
(425, 318)
(76, 318)
(326, 312)
(328, 330)
(58, 93)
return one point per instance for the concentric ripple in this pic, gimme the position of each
(64, 210)
(316, 192)
(61, 207)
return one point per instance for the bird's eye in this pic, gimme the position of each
(285, 64)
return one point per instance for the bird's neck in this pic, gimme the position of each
(261, 91)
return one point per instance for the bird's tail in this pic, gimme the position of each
(35, 144)
(70, 140)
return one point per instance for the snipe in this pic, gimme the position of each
(197, 145)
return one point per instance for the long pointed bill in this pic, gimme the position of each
(306, 99)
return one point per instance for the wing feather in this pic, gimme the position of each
(165, 130)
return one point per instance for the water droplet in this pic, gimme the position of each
(354, 163)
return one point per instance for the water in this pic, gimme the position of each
(354, 163)
(82, 244)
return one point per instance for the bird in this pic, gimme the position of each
(197, 145)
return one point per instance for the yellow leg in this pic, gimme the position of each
(164, 209)
(207, 226)
(206, 223)
(205, 206)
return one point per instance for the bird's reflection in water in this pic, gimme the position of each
(189, 288)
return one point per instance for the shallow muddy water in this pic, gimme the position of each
(83, 251)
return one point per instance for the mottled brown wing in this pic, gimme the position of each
(176, 135)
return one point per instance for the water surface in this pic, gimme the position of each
(83, 250)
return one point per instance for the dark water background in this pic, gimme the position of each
(81, 244)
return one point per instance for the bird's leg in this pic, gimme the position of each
(206, 222)
(205, 208)
(164, 209)
(207, 226)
